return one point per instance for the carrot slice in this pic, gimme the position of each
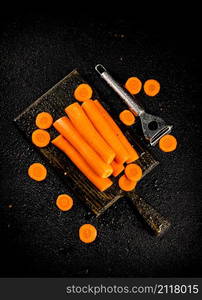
(133, 85)
(84, 126)
(87, 233)
(40, 138)
(127, 117)
(133, 155)
(126, 184)
(151, 87)
(37, 172)
(101, 183)
(83, 92)
(117, 168)
(168, 143)
(65, 128)
(133, 172)
(105, 130)
(44, 120)
(64, 202)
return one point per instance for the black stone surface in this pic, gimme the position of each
(36, 51)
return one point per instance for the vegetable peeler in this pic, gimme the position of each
(153, 127)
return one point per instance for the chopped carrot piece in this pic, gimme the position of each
(83, 92)
(64, 202)
(117, 168)
(87, 233)
(151, 87)
(44, 120)
(37, 172)
(168, 143)
(133, 85)
(133, 172)
(101, 183)
(127, 117)
(126, 184)
(40, 138)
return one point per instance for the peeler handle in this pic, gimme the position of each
(157, 222)
(128, 99)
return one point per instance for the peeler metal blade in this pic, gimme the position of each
(153, 127)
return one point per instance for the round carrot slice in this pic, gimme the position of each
(151, 87)
(83, 92)
(87, 233)
(37, 172)
(127, 117)
(64, 202)
(126, 184)
(168, 143)
(40, 138)
(133, 85)
(44, 120)
(133, 172)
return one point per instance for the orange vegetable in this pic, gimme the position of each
(87, 233)
(151, 87)
(84, 126)
(127, 117)
(65, 128)
(168, 143)
(133, 172)
(64, 202)
(37, 172)
(83, 92)
(126, 184)
(44, 120)
(101, 183)
(105, 130)
(131, 151)
(133, 85)
(117, 168)
(40, 138)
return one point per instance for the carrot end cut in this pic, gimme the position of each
(133, 172)
(168, 143)
(37, 172)
(127, 117)
(87, 233)
(133, 85)
(83, 92)
(151, 87)
(40, 138)
(126, 184)
(117, 168)
(44, 120)
(64, 202)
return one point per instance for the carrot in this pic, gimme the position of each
(168, 143)
(40, 138)
(131, 151)
(127, 117)
(83, 92)
(117, 168)
(64, 202)
(44, 120)
(101, 183)
(133, 172)
(105, 130)
(37, 172)
(87, 233)
(65, 128)
(151, 87)
(126, 184)
(84, 126)
(133, 85)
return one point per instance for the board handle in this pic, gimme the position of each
(158, 223)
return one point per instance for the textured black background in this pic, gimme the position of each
(36, 239)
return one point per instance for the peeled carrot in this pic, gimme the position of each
(87, 233)
(168, 143)
(127, 117)
(44, 120)
(133, 172)
(117, 168)
(84, 126)
(83, 92)
(126, 184)
(64, 202)
(151, 87)
(101, 183)
(133, 85)
(105, 130)
(40, 138)
(133, 155)
(65, 128)
(37, 172)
